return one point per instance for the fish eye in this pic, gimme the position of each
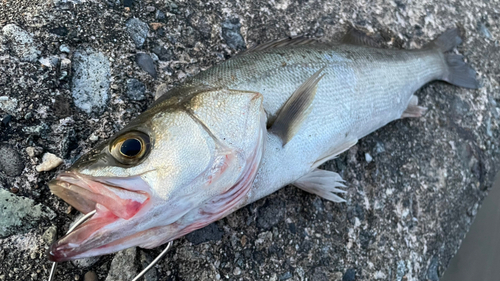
(130, 148)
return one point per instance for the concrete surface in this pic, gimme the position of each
(407, 209)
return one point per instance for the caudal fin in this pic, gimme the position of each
(459, 73)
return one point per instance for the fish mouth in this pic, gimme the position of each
(113, 202)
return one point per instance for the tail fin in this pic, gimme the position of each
(459, 73)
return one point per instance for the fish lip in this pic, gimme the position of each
(111, 202)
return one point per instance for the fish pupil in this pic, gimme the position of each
(131, 147)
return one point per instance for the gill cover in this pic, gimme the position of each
(187, 161)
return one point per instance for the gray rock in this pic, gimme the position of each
(138, 31)
(152, 274)
(146, 63)
(37, 130)
(483, 30)
(349, 275)
(135, 89)
(20, 214)
(123, 267)
(90, 83)
(11, 162)
(231, 34)
(160, 15)
(271, 213)
(400, 270)
(163, 53)
(49, 236)
(21, 42)
(128, 3)
(64, 49)
(211, 232)
(432, 270)
(8, 104)
(85, 262)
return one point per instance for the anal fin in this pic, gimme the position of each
(322, 183)
(413, 109)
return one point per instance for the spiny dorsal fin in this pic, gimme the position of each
(296, 109)
(283, 42)
(358, 37)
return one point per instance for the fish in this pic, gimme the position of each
(241, 130)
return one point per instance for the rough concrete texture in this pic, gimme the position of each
(407, 210)
(20, 214)
(90, 80)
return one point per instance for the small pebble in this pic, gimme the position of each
(368, 158)
(128, 3)
(232, 34)
(49, 162)
(237, 271)
(146, 63)
(138, 31)
(6, 120)
(156, 25)
(49, 236)
(90, 276)
(135, 89)
(33, 151)
(160, 15)
(64, 49)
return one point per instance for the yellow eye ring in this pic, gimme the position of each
(130, 148)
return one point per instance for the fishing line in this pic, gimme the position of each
(144, 271)
(80, 221)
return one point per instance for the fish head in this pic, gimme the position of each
(182, 164)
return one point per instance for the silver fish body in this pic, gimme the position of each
(240, 131)
(362, 90)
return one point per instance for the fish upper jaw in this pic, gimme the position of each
(113, 204)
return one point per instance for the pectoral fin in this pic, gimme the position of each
(322, 183)
(296, 109)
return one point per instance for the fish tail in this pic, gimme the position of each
(458, 72)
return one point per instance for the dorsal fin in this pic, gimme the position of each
(358, 37)
(295, 110)
(278, 43)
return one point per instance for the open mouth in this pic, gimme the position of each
(111, 202)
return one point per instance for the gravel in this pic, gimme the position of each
(90, 85)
